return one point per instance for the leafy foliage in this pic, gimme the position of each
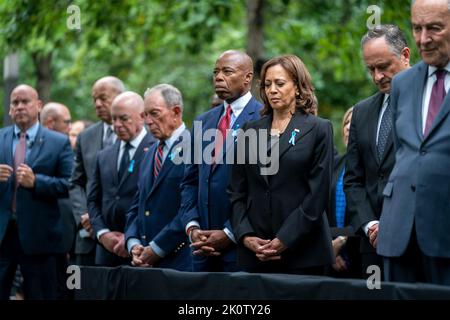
(145, 42)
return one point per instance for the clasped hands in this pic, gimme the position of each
(114, 242)
(265, 250)
(24, 175)
(209, 243)
(143, 256)
(373, 235)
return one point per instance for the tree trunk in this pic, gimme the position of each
(10, 79)
(255, 39)
(42, 64)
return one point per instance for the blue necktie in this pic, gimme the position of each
(340, 201)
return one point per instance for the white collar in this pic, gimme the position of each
(239, 104)
(136, 141)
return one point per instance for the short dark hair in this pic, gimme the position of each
(395, 38)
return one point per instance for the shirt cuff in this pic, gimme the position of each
(157, 249)
(193, 223)
(101, 232)
(229, 234)
(368, 225)
(131, 243)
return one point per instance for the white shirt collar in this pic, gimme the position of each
(175, 135)
(239, 104)
(136, 141)
(432, 69)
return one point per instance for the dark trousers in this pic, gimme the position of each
(107, 259)
(369, 257)
(42, 274)
(414, 266)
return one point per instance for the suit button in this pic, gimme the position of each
(143, 237)
(267, 193)
(423, 152)
(147, 213)
(413, 188)
(117, 198)
(381, 176)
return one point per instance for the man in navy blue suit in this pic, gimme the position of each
(35, 165)
(154, 233)
(205, 207)
(115, 178)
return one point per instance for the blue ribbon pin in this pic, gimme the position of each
(173, 153)
(293, 134)
(234, 133)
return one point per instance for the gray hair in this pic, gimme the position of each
(414, 1)
(395, 38)
(171, 95)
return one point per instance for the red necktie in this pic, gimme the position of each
(436, 99)
(222, 127)
(158, 159)
(19, 158)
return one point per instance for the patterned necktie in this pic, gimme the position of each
(385, 129)
(158, 159)
(109, 138)
(19, 158)
(125, 161)
(436, 99)
(222, 127)
(340, 201)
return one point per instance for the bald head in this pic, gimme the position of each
(103, 93)
(56, 116)
(128, 115)
(25, 106)
(241, 58)
(233, 74)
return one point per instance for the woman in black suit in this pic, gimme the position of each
(279, 219)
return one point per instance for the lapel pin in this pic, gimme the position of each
(293, 134)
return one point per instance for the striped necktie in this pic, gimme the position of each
(158, 159)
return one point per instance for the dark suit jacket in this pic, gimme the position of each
(38, 218)
(289, 205)
(365, 175)
(338, 165)
(89, 142)
(153, 214)
(109, 199)
(204, 186)
(418, 192)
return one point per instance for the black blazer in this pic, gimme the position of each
(365, 176)
(289, 205)
(109, 199)
(338, 164)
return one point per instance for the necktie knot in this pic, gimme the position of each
(440, 74)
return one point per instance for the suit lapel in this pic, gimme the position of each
(7, 149)
(372, 124)
(253, 148)
(246, 115)
(39, 140)
(166, 166)
(112, 162)
(418, 100)
(213, 125)
(297, 128)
